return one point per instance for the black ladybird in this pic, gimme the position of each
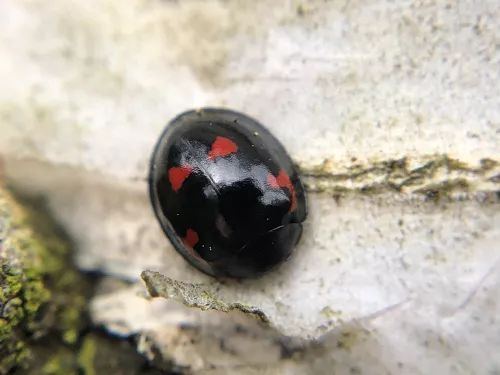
(226, 193)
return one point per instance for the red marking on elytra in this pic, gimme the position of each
(222, 147)
(191, 238)
(177, 176)
(283, 181)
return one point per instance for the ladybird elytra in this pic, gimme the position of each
(226, 193)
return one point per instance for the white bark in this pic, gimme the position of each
(383, 104)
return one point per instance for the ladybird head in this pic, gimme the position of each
(263, 253)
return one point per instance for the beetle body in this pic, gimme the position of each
(226, 193)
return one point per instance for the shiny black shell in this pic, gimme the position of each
(226, 193)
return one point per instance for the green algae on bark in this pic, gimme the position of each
(41, 294)
(193, 295)
(430, 176)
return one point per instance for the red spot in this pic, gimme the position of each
(191, 238)
(283, 181)
(222, 147)
(177, 175)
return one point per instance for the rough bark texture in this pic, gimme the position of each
(390, 108)
(44, 326)
(41, 294)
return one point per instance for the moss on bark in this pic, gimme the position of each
(41, 294)
(44, 323)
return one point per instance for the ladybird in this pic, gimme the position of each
(226, 193)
